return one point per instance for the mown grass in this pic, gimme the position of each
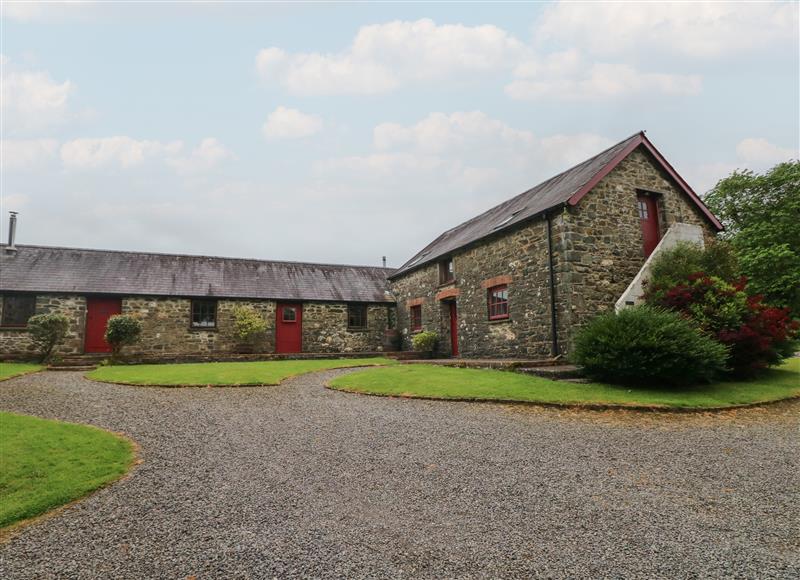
(457, 383)
(45, 464)
(9, 370)
(224, 373)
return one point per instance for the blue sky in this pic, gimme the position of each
(344, 132)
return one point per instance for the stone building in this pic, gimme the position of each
(521, 278)
(515, 281)
(186, 303)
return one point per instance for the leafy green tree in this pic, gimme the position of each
(122, 330)
(761, 214)
(249, 326)
(47, 331)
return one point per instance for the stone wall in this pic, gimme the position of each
(601, 237)
(16, 341)
(521, 257)
(166, 328)
(325, 328)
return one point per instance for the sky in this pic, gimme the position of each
(341, 133)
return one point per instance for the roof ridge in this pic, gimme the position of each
(416, 259)
(142, 253)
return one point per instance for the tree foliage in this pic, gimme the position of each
(47, 331)
(122, 330)
(249, 326)
(761, 214)
(755, 334)
(425, 341)
(647, 346)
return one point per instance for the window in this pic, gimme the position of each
(356, 316)
(17, 309)
(289, 314)
(446, 271)
(643, 213)
(498, 302)
(416, 318)
(204, 313)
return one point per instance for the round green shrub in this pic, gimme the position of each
(122, 330)
(425, 341)
(646, 346)
(47, 331)
(249, 326)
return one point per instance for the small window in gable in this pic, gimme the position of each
(446, 271)
(204, 313)
(416, 318)
(17, 309)
(356, 316)
(498, 302)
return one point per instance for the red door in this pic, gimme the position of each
(98, 311)
(648, 214)
(289, 328)
(453, 328)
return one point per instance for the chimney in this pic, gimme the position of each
(384, 261)
(12, 232)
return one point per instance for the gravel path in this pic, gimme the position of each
(296, 480)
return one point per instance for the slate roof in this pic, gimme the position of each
(73, 270)
(568, 186)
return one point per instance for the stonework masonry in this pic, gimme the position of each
(597, 251)
(600, 238)
(166, 328)
(16, 341)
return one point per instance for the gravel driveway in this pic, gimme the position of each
(296, 480)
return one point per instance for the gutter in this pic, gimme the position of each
(553, 314)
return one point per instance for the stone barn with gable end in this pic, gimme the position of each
(516, 281)
(519, 279)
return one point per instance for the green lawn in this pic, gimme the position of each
(45, 464)
(8, 370)
(457, 383)
(224, 373)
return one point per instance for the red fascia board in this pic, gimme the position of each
(642, 140)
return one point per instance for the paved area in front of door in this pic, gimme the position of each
(296, 480)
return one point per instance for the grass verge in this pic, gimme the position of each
(435, 382)
(46, 463)
(11, 370)
(223, 373)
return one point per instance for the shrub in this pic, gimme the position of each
(425, 341)
(122, 330)
(757, 335)
(249, 326)
(647, 346)
(676, 264)
(47, 331)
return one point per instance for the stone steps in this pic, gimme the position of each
(562, 372)
(72, 368)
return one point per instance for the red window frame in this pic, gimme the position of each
(497, 302)
(415, 314)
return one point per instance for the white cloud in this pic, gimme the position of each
(32, 100)
(461, 152)
(754, 153)
(690, 29)
(760, 152)
(21, 154)
(285, 123)
(204, 157)
(382, 57)
(440, 132)
(118, 151)
(565, 76)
